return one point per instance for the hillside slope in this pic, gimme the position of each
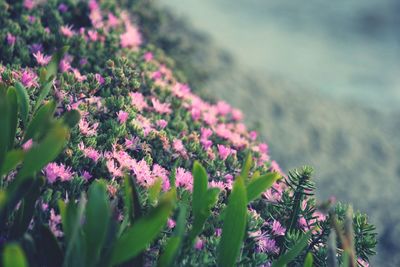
(354, 149)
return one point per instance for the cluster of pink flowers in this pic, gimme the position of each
(90, 152)
(53, 171)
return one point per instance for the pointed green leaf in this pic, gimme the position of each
(14, 256)
(40, 155)
(71, 118)
(11, 161)
(27, 207)
(248, 164)
(258, 185)
(309, 260)
(13, 113)
(143, 232)
(154, 190)
(289, 256)
(131, 199)
(98, 214)
(174, 244)
(234, 225)
(4, 124)
(23, 102)
(200, 183)
(40, 123)
(50, 251)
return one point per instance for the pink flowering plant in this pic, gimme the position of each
(183, 181)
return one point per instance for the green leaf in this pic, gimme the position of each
(71, 118)
(50, 251)
(27, 209)
(258, 185)
(50, 73)
(40, 155)
(4, 122)
(40, 123)
(247, 166)
(98, 215)
(143, 232)
(14, 256)
(174, 244)
(154, 190)
(200, 183)
(72, 218)
(44, 91)
(13, 113)
(11, 161)
(23, 102)
(131, 199)
(234, 225)
(309, 260)
(294, 251)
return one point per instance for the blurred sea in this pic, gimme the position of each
(347, 49)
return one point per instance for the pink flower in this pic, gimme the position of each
(160, 172)
(184, 179)
(217, 184)
(148, 56)
(29, 78)
(253, 135)
(93, 5)
(131, 38)
(122, 116)
(54, 222)
(54, 171)
(178, 146)
(223, 108)
(218, 231)
(86, 175)
(199, 245)
(162, 108)
(277, 228)
(29, 4)
(41, 59)
(263, 148)
(237, 115)
(67, 31)
(11, 39)
(223, 152)
(162, 123)
(65, 65)
(93, 35)
(112, 20)
(265, 244)
(112, 169)
(303, 223)
(132, 144)
(143, 173)
(138, 101)
(171, 223)
(86, 129)
(99, 78)
(27, 145)
(78, 76)
(62, 8)
(89, 152)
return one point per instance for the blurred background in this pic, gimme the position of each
(319, 79)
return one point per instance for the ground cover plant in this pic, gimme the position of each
(152, 174)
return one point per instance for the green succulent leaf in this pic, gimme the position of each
(13, 115)
(98, 214)
(136, 238)
(234, 225)
(258, 185)
(23, 102)
(293, 252)
(40, 122)
(14, 256)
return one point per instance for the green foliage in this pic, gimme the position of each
(234, 225)
(13, 256)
